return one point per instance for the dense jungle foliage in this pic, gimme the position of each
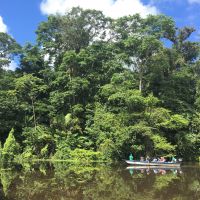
(96, 88)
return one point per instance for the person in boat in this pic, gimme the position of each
(174, 159)
(148, 158)
(142, 159)
(131, 157)
(155, 160)
(162, 159)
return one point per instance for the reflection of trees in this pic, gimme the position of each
(69, 181)
(7, 177)
(178, 187)
(190, 180)
(110, 185)
(162, 182)
(42, 182)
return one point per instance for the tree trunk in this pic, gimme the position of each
(33, 108)
(140, 85)
(140, 71)
(140, 80)
(141, 67)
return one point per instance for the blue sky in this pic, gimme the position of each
(20, 18)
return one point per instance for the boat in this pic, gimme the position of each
(156, 163)
(152, 167)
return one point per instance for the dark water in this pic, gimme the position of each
(53, 181)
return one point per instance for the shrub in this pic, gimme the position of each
(62, 151)
(10, 148)
(86, 155)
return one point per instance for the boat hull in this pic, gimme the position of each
(146, 163)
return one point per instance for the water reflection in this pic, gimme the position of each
(155, 170)
(61, 181)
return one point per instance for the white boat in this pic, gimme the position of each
(157, 163)
(152, 167)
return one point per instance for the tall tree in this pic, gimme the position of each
(141, 49)
(32, 60)
(73, 31)
(8, 49)
(28, 89)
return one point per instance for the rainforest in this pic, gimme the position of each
(93, 88)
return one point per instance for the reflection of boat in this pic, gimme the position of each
(155, 169)
(157, 163)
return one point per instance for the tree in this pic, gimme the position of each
(28, 89)
(10, 148)
(73, 31)
(32, 60)
(8, 49)
(39, 142)
(140, 50)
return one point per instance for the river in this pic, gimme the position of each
(61, 180)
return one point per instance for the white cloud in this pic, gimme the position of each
(194, 1)
(12, 66)
(110, 8)
(3, 27)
